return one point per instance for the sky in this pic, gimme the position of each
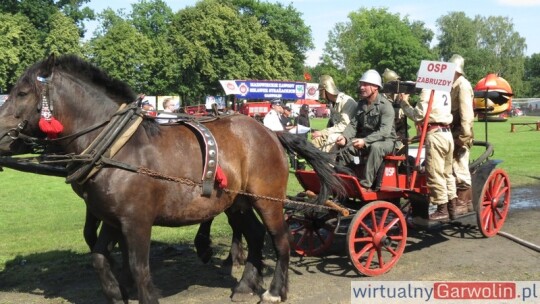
(322, 15)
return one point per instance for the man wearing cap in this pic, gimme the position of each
(342, 110)
(371, 132)
(286, 118)
(272, 119)
(462, 130)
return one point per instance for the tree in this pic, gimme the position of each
(153, 19)
(489, 45)
(125, 54)
(40, 11)
(283, 23)
(532, 75)
(212, 42)
(376, 39)
(63, 37)
(19, 48)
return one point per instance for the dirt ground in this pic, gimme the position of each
(450, 253)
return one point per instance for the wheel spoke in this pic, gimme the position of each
(364, 249)
(390, 225)
(380, 257)
(369, 259)
(383, 219)
(373, 220)
(366, 228)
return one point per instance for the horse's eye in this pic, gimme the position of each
(22, 94)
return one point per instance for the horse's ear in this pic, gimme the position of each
(48, 66)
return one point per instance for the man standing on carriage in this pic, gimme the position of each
(462, 130)
(342, 111)
(371, 132)
(439, 151)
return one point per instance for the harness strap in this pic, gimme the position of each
(210, 156)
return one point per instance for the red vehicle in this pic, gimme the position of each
(375, 223)
(255, 109)
(198, 110)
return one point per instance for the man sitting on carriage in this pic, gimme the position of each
(371, 133)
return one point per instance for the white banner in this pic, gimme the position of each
(436, 75)
(230, 87)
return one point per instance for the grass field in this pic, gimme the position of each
(41, 219)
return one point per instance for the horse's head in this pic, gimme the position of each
(77, 94)
(20, 114)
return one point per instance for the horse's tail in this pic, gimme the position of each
(322, 162)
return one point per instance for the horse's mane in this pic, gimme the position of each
(114, 88)
(117, 90)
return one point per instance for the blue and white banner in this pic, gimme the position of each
(259, 89)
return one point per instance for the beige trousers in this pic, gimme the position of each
(439, 156)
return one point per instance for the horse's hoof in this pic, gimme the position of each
(244, 297)
(206, 255)
(268, 298)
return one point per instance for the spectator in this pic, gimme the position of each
(342, 110)
(272, 119)
(372, 132)
(286, 118)
(168, 108)
(302, 120)
(462, 130)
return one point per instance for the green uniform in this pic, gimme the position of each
(375, 124)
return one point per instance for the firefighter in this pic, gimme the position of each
(342, 110)
(371, 133)
(462, 131)
(400, 120)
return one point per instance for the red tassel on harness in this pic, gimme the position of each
(52, 127)
(221, 178)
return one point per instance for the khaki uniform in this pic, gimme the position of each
(439, 144)
(375, 124)
(462, 129)
(340, 116)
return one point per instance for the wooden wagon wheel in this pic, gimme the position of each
(494, 203)
(310, 235)
(376, 238)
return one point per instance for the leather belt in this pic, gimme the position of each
(436, 127)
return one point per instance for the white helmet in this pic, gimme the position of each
(459, 61)
(372, 77)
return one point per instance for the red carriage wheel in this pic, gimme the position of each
(310, 234)
(494, 203)
(376, 238)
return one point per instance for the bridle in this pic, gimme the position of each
(40, 144)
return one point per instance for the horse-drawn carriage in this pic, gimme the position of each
(105, 144)
(375, 223)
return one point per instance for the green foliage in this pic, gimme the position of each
(39, 12)
(376, 39)
(488, 44)
(125, 54)
(212, 42)
(19, 48)
(63, 37)
(532, 76)
(283, 23)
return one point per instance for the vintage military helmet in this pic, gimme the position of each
(371, 77)
(389, 75)
(460, 63)
(326, 82)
